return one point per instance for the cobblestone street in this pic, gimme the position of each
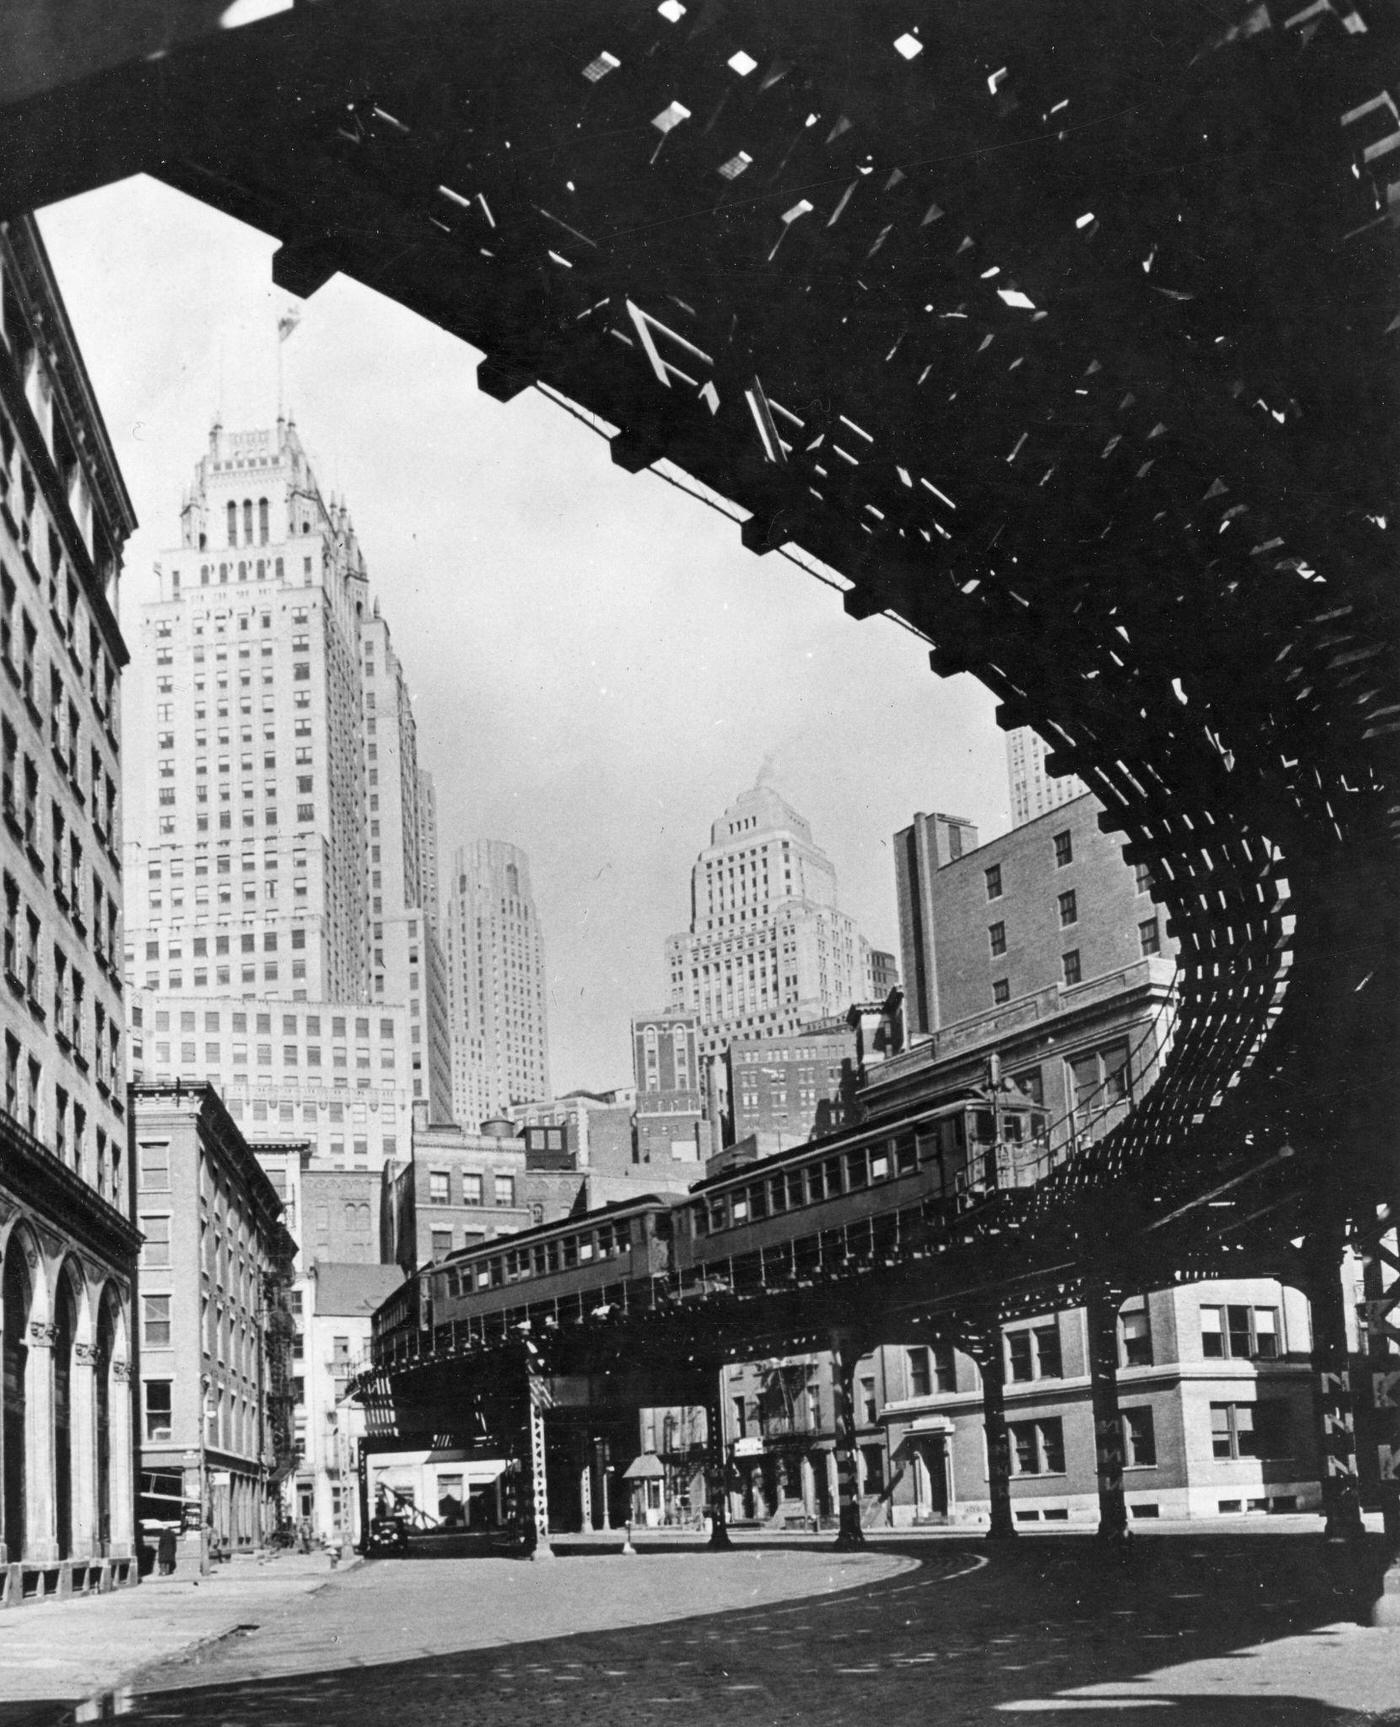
(1230, 1630)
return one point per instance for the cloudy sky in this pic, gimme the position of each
(598, 665)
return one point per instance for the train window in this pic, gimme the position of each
(794, 1187)
(551, 1255)
(856, 1170)
(498, 1274)
(879, 1162)
(585, 1249)
(928, 1143)
(952, 1130)
(718, 1213)
(483, 1277)
(454, 1282)
(758, 1199)
(739, 1207)
(661, 1225)
(831, 1170)
(700, 1219)
(568, 1251)
(1011, 1128)
(777, 1194)
(906, 1156)
(982, 1130)
(605, 1241)
(541, 1264)
(815, 1187)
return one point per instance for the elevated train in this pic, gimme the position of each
(814, 1211)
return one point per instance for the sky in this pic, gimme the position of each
(599, 668)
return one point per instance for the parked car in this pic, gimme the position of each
(387, 1535)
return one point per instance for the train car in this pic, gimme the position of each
(553, 1272)
(870, 1191)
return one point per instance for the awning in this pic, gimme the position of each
(647, 1467)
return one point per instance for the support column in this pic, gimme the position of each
(536, 1495)
(809, 1489)
(41, 1532)
(122, 1536)
(601, 1452)
(1101, 1311)
(585, 1485)
(716, 1461)
(1332, 1391)
(986, 1349)
(1381, 1310)
(82, 1395)
(845, 1353)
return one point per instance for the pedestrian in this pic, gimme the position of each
(165, 1551)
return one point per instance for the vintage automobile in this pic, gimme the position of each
(387, 1535)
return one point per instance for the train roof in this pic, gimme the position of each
(971, 1096)
(579, 1220)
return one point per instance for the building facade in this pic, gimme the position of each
(670, 1088)
(337, 1306)
(496, 983)
(67, 1234)
(801, 1086)
(1035, 791)
(216, 1326)
(768, 949)
(881, 972)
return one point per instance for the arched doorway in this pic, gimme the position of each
(64, 1333)
(15, 1292)
(102, 1369)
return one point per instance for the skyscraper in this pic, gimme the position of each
(768, 950)
(1033, 789)
(274, 916)
(496, 983)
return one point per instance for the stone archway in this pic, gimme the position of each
(104, 1350)
(65, 1334)
(16, 1298)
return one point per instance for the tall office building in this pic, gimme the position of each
(1033, 789)
(275, 930)
(496, 983)
(428, 848)
(768, 950)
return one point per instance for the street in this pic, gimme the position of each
(1230, 1628)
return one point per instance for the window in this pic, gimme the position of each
(1142, 877)
(471, 1188)
(158, 1418)
(156, 1251)
(441, 1243)
(1139, 1438)
(1249, 1430)
(1064, 849)
(1069, 908)
(996, 938)
(1134, 1335)
(155, 1168)
(155, 1321)
(993, 874)
(1037, 1447)
(437, 1187)
(505, 1190)
(1001, 990)
(1070, 965)
(1034, 1353)
(920, 1373)
(1239, 1333)
(1149, 936)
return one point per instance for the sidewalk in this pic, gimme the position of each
(71, 1649)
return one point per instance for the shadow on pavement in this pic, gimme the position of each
(1191, 1629)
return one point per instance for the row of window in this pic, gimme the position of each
(472, 1188)
(1063, 844)
(538, 1259)
(96, 1158)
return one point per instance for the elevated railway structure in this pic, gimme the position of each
(1067, 335)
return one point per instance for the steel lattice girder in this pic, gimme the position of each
(1066, 334)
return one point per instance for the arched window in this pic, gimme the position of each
(262, 521)
(102, 1368)
(65, 1329)
(232, 523)
(247, 521)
